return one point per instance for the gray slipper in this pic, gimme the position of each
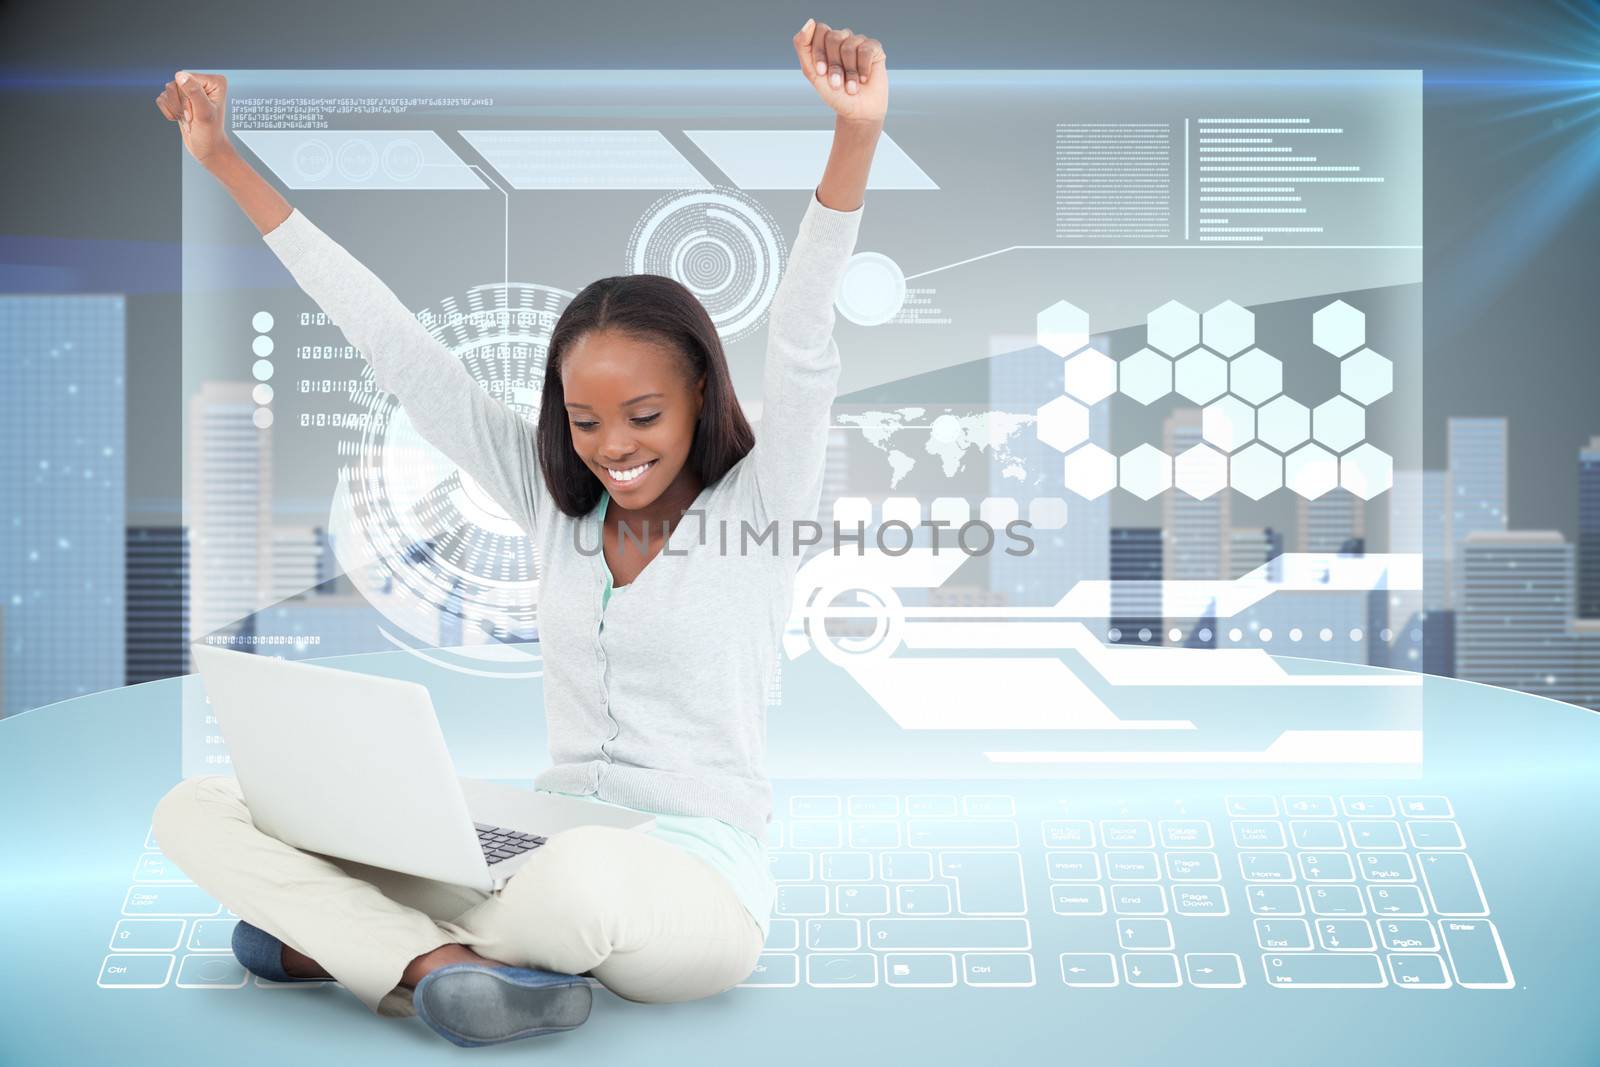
(471, 1004)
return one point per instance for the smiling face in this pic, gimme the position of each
(628, 407)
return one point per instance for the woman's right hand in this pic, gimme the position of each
(198, 103)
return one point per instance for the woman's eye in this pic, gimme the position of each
(646, 420)
(584, 425)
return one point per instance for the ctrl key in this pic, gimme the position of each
(143, 971)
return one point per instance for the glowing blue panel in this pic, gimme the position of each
(586, 159)
(361, 159)
(792, 159)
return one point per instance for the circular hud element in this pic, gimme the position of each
(721, 245)
(450, 549)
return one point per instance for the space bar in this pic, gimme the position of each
(947, 934)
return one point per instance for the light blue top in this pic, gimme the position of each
(742, 859)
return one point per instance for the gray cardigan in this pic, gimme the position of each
(664, 708)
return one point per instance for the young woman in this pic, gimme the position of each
(656, 662)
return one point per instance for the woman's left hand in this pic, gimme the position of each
(846, 69)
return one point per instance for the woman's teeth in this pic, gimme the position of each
(631, 474)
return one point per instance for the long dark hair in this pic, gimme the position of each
(653, 309)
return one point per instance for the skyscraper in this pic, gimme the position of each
(1329, 522)
(1478, 452)
(1513, 620)
(228, 499)
(63, 403)
(1589, 530)
(158, 603)
(1136, 602)
(1197, 530)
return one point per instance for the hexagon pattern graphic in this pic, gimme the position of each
(1200, 471)
(1228, 328)
(1063, 424)
(1091, 471)
(1091, 376)
(1063, 328)
(1366, 471)
(1311, 471)
(1256, 471)
(1339, 328)
(1283, 423)
(1255, 376)
(1146, 472)
(1201, 376)
(1338, 423)
(1230, 423)
(1146, 376)
(1172, 328)
(1366, 377)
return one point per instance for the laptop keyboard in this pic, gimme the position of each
(994, 890)
(1287, 891)
(500, 843)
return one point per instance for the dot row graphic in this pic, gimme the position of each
(261, 369)
(1255, 438)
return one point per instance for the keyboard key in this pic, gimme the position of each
(1138, 900)
(924, 899)
(1193, 867)
(1327, 867)
(1088, 970)
(1336, 900)
(155, 867)
(930, 807)
(814, 807)
(783, 935)
(1185, 833)
(1314, 833)
(1323, 970)
(1151, 969)
(1144, 934)
(1476, 955)
(1078, 899)
(790, 866)
(961, 833)
(1396, 900)
(987, 883)
(1133, 867)
(135, 972)
(847, 969)
(1126, 833)
(877, 806)
(212, 935)
(846, 866)
(1386, 867)
(1426, 808)
(809, 834)
(949, 935)
(1309, 807)
(1258, 834)
(984, 807)
(167, 901)
(1073, 866)
(919, 969)
(1376, 833)
(1452, 883)
(833, 935)
(1247, 807)
(1408, 935)
(1374, 807)
(861, 899)
(1214, 970)
(147, 935)
(1266, 866)
(773, 970)
(1275, 900)
(1283, 935)
(878, 834)
(1199, 900)
(906, 866)
(997, 968)
(1345, 935)
(1068, 833)
(1409, 971)
(1435, 834)
(801, 900)
(214, 971)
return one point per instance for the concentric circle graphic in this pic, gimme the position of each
(446, 554)
(722, 245)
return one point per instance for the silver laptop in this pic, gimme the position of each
(355, 766)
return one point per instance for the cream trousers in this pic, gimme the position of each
(647, 919)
